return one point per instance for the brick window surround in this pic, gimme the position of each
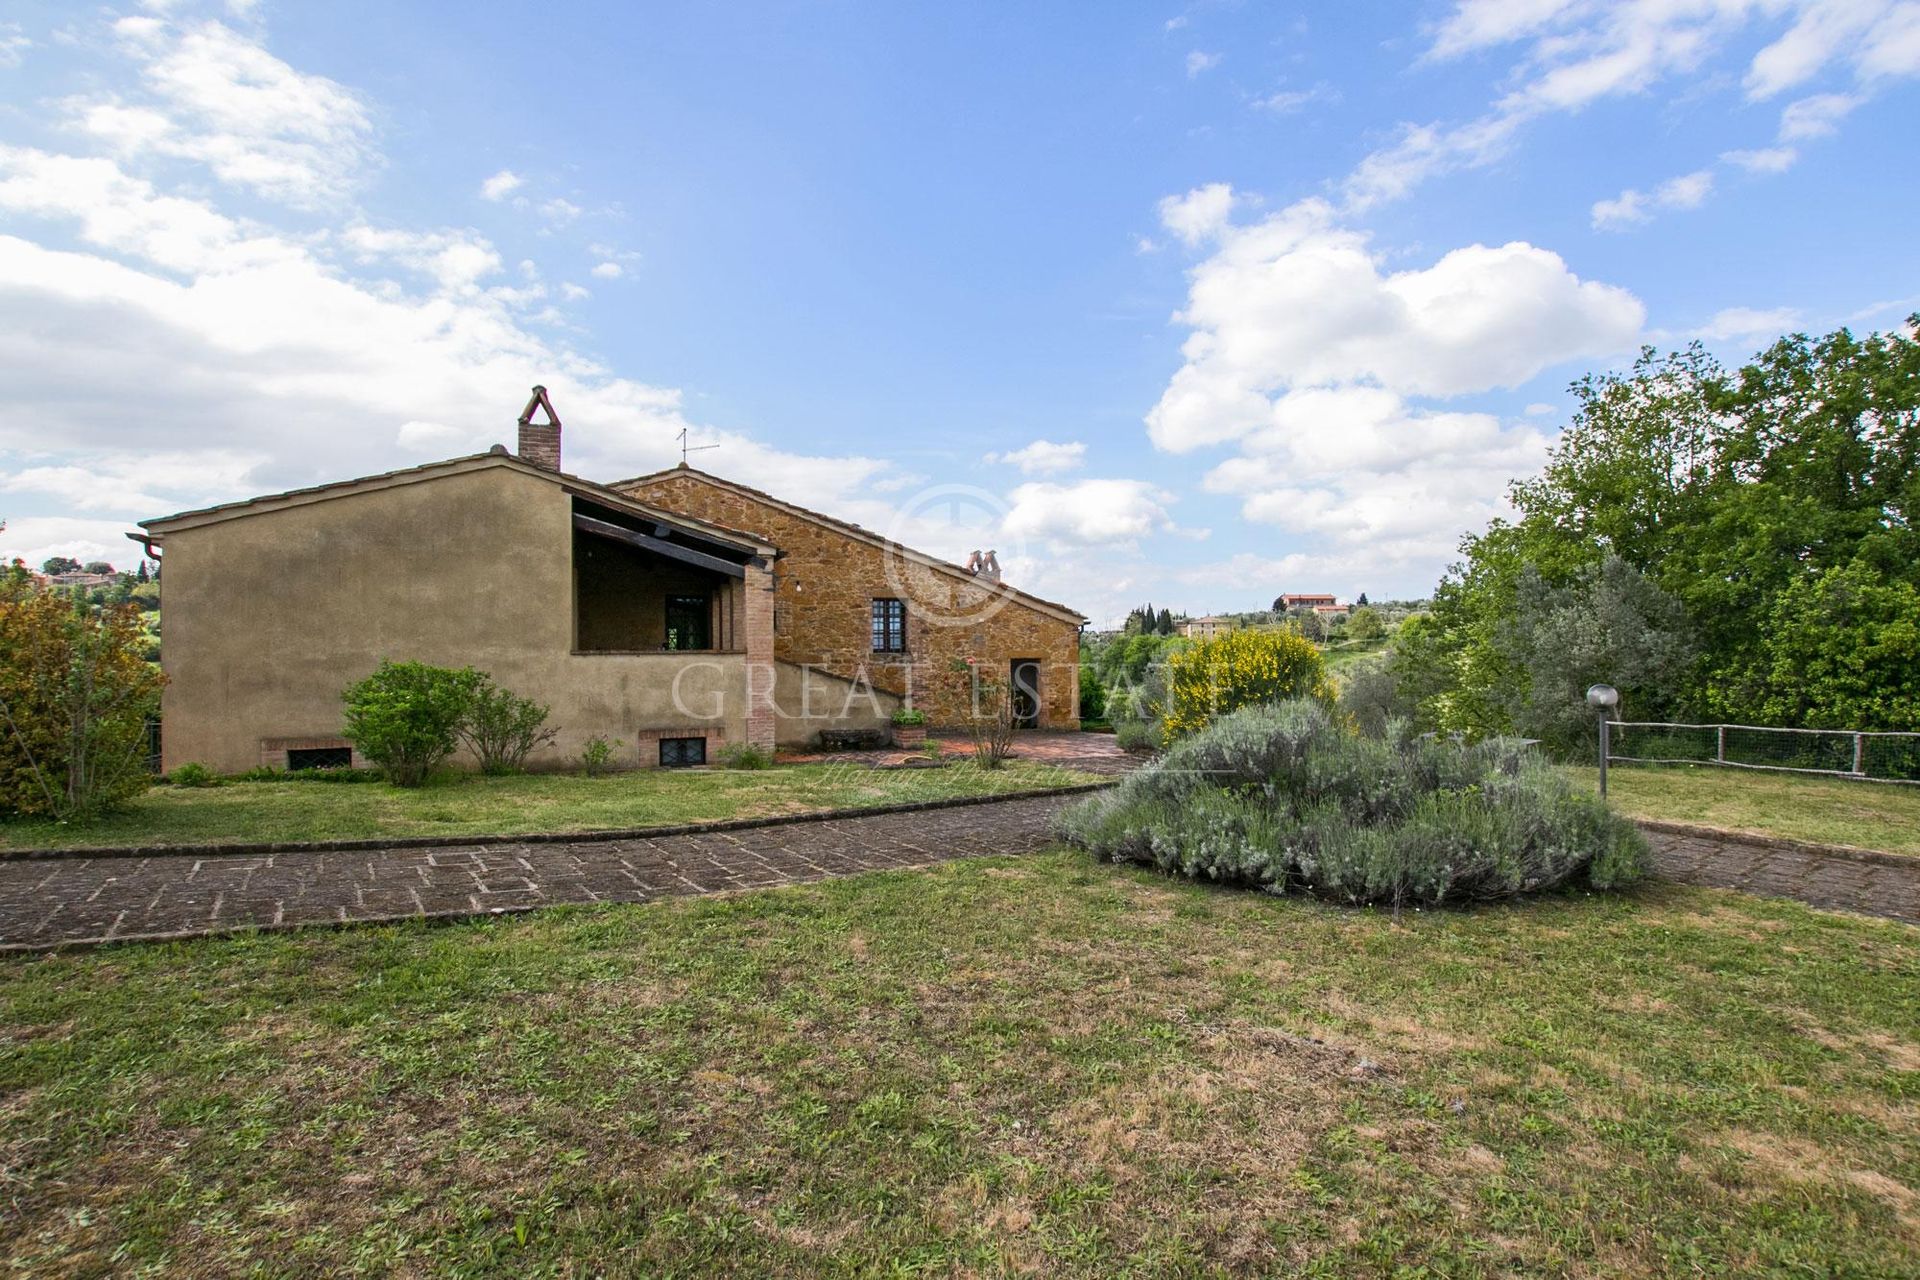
(647, 741)
(273, 751)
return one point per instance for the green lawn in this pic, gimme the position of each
(1344, 654)
(471, 805)
(1869, 815)
(1036, 1065)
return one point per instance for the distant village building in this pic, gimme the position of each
(1208, 627)
(1306, 600)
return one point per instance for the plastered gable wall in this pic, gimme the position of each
(824, 585)
(270, 615)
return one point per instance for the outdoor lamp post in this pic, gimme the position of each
(1603, 698)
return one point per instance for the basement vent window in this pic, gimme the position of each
(680, 753)
(320, 758)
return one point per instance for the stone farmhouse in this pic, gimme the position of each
(677, 612)
(1207, 628)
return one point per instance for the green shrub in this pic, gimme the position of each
(1093, 695)
(502, 728)
(75, 697)
(909, 716)
(193, 774)
(744, 755)
(1136, 735)
(1286, 798)
(406, 717)
(1240, 669)
(596, 755)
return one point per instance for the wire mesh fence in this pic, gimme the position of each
(1842, 753)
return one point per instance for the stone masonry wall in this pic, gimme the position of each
(824, 586)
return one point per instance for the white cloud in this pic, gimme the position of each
(1200, 214)
(1823, 31)
(458, 260)
(220, 99)
(1043, 457)
(1631, 207)
(1539, 409)
(573, 292)
(1762, 159)
(35, 539)
(1199, 63)
(1573, 53)
(1892, 49)
(13, 45)
(1818, 116)
(1305, 352)
(501, 185)
(559, 210)
(1087, 513)
(1747, 322)
(1287, 101)
(1296, 300)
(606, 271)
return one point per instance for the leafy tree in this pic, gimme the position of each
(75, 697)
(1365, 624)
(1756, 499)
(1093, 695)
(1611, 624)
(1370, 695)
(1239, 669)
(1362, 601)
(59, 564)
(1166, 622)
(142, 575)
(406, 717)
(99, 566)
(1840, 650)
(1309, 624)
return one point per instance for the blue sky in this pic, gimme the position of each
(1190, 304)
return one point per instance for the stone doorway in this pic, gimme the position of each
(1023, 680)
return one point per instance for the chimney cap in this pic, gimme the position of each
(539, 400)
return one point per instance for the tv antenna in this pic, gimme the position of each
(687, 448)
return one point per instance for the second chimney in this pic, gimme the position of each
(540, 441)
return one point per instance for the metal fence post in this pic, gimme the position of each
(1859, 754)
(1606, 749)
(1719, 744)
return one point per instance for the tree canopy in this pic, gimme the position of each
(1729, 544)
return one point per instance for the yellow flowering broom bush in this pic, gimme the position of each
(1240, 669)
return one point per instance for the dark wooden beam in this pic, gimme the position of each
(658, 546)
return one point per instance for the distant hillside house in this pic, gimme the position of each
(1296, 600)
(1333, 610)
(677, 612)
(1208, 627)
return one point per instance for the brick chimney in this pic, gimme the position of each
(540, 441)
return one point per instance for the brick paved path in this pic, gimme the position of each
(46, 902)
(1880, 884)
